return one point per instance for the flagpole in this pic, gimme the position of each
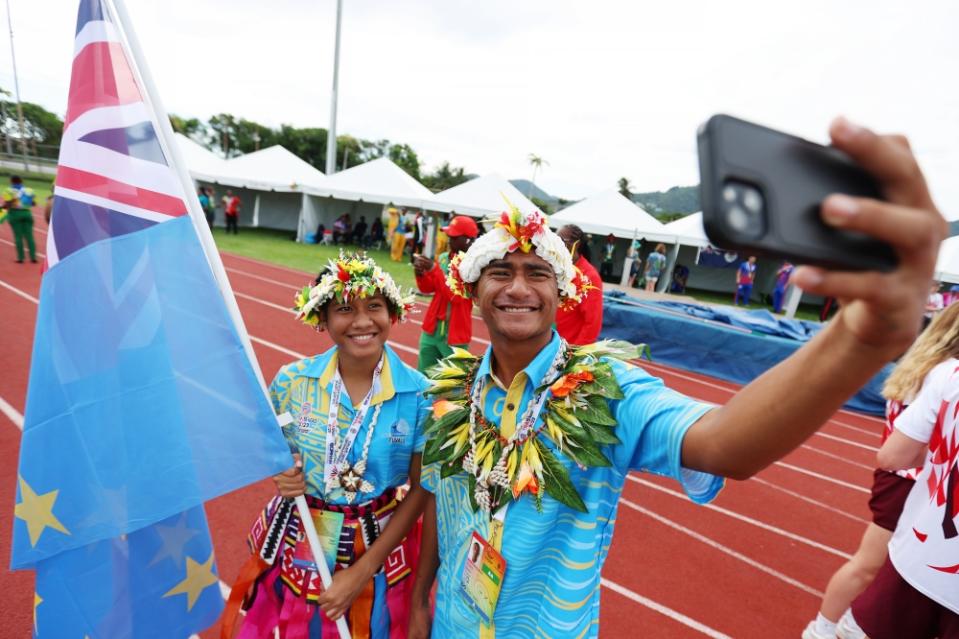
(172, 152)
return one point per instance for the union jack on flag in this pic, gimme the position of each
(113, 176)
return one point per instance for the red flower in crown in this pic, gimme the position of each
(511, 222)
(341, 274)
(583, 286)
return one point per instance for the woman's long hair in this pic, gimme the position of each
(936, 344)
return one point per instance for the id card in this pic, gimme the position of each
(329, 526)
(482, 577)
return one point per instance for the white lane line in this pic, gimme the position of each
(745, 519)
(809, 500)
(17, 291)
(848, 442)
(663, 610)
(840, 458)
(12, 413)
(724, 549)
(39, 254)
(277, 347)
(831, 480)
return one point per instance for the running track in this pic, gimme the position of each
(751, 564)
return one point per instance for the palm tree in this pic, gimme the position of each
(537, 163)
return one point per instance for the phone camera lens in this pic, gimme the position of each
(753, 200)
(729, 194)
(738, 219)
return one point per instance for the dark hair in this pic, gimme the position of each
(15, 179)
(579, 237)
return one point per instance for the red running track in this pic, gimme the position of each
(751, 564)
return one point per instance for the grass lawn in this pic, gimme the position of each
(808, 312)
(278, 247)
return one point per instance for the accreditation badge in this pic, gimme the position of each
(329, 526)
(482, 577)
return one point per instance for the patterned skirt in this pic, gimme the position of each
(279, 585)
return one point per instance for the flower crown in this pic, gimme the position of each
(346, 278)
(512, 231)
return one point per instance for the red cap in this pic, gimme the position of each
(462, 225)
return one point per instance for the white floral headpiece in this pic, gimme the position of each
(348, 277)
(515, 230)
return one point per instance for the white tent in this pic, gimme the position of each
(689, 230)
(947, 266)
(611, 213)
(480, 197)
(272, 166)
(199, 160)
(378, 180)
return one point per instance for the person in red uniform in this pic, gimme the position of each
(581, 324)
(449, 319)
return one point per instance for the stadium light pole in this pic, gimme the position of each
(331, 134)
(16, 86)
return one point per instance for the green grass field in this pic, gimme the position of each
(279, 248)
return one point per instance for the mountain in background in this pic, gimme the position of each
(531, 191)
(678, 199)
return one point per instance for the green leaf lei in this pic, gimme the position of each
(575, 418)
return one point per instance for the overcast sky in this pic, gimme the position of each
(598, 89)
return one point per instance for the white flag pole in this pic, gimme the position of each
(172, 152)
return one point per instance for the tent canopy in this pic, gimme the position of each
(947, 266)
(198, 158)
(270, 169)
(689, 230)
(378, 180)
(611, 213)
(480, 197)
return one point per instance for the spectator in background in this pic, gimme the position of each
(582, 323)
(442, 239)
(359, 232)
(636, 266)
(606, 266)
(18, 200)
(419, 233)
(655, 263)
(934, 304)
(231, 211)
(48, 207)
(680, 277)
(782, 281)
(204, 198)
(376, 232)
(745, 276)
(449, 319)
(398, 238)
(320, 231)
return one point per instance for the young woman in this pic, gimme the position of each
(360, 398)
(915, 592)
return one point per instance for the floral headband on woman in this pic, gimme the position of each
(346, 278)
(515, 230)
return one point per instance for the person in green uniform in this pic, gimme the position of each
(18, 200)
(449, 319)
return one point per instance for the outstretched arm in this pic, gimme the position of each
(879, 317)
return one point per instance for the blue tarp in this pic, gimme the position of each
(731, 344)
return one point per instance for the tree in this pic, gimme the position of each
(445, 177)
(189, 127)
(42, 130)
(222, 133)
(624, 187)
(307, 144)
(405, 157)
(537, 163)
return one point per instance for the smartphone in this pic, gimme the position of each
(761, 189)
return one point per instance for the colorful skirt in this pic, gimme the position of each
(279, 585)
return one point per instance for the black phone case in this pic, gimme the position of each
(794, 176)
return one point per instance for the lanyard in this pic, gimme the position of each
(335, 457)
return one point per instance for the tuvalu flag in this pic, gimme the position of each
(143, 401)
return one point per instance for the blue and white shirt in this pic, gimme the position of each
(554, 557)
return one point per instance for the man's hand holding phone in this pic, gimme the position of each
(882, 309)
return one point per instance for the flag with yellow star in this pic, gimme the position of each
(144, 400)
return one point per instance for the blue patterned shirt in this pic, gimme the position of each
(554, 557)
(303, 388)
